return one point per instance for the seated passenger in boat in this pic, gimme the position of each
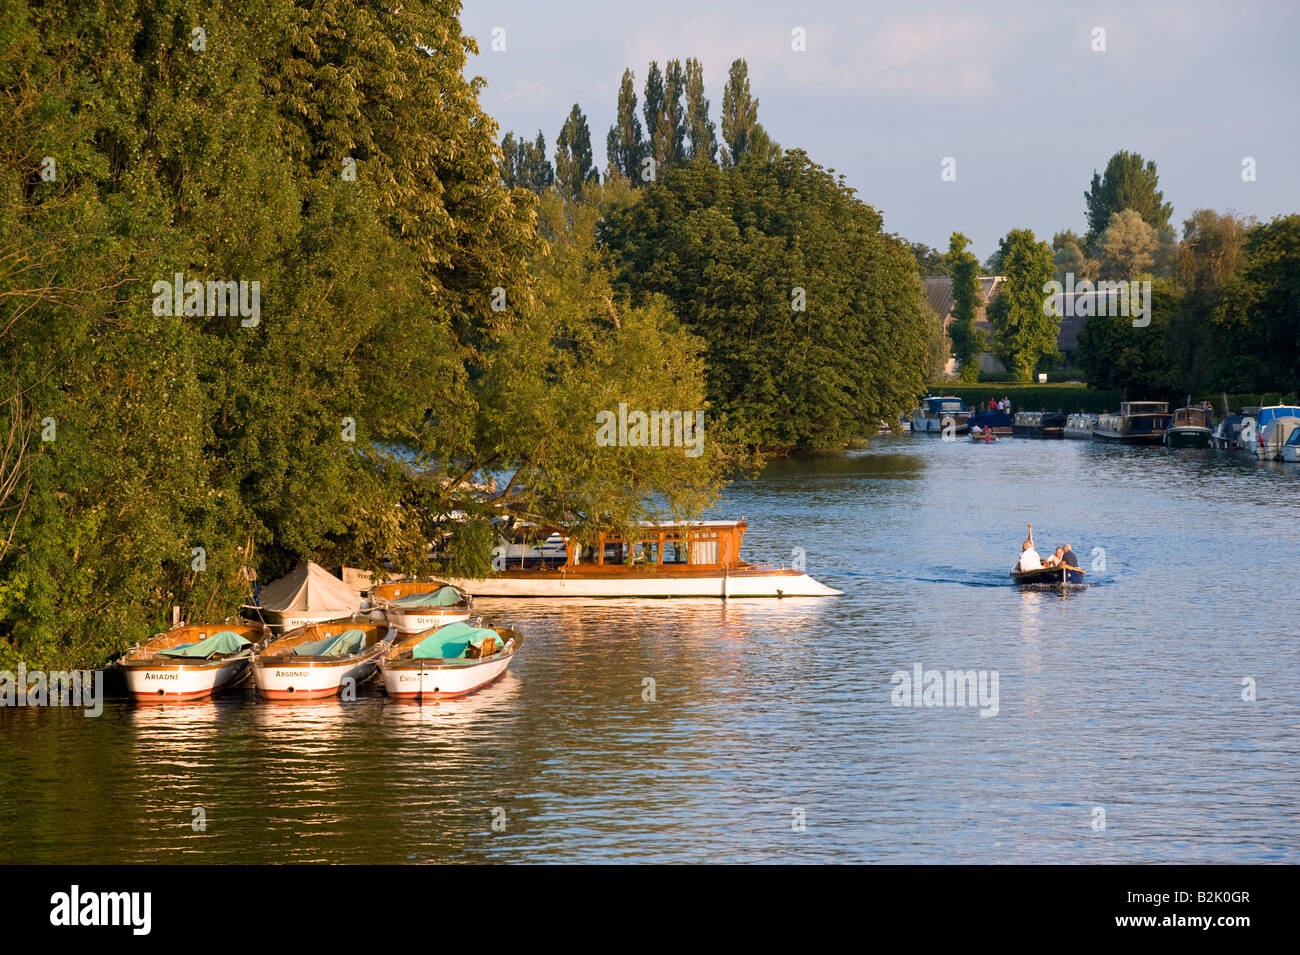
(1067, 557)
(1029, 559)
(1054, 559)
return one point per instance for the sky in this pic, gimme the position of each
(1012, 91)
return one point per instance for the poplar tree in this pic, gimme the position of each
(624, 146)
(703, 133)
(967, 340)
(574, 168)
(739, 114)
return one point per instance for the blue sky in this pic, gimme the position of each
(1012, 91)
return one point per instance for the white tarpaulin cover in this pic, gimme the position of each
(310, 588)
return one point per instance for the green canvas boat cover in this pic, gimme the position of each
(227, 641)
(340, 645)
(451, 641)
(443, 597)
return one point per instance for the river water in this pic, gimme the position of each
(770, 732)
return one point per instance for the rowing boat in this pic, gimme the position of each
(449, 661)
(1058, 576)
(189, 662)
(316, 660)
(413, 606)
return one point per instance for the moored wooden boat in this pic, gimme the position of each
(449, 661)
(672, 559)
(1058, 576)
(315, 660)
(416, 605)
(1190, 427)
(189, 662)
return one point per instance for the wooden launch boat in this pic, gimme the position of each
(189, 662)
(1138, 422)
(449, 661)
(313, 661)
(413, 606)
(674, 559)
(1059, 576)
(1190, 427)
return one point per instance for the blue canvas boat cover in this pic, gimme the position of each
(451, 641)
(339, 645)
(227, 641)
(443, 597)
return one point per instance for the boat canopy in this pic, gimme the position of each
(935, 405)
(450, 642)
(1272, 413)
(991, 419)
(442, 597)
(310, 588)
(227, 641)
(339, 645)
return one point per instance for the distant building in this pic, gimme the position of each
(938, 295)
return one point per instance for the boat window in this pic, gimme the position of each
(704, 550)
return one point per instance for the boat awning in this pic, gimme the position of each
(310, 588)
(451, 641)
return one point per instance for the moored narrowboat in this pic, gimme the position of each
(1137, 422)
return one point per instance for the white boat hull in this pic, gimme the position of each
(415, 620)
(437, 680)
(166, 682)
(287, 681)
(656, 585)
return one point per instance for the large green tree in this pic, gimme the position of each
(1115, 354)
(1128, 182)
(1260, 309)
(1024, 332)
(335, 160)
(812, 315)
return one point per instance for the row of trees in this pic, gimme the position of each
(677, 129)
(420, 325)
(1223, 301)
